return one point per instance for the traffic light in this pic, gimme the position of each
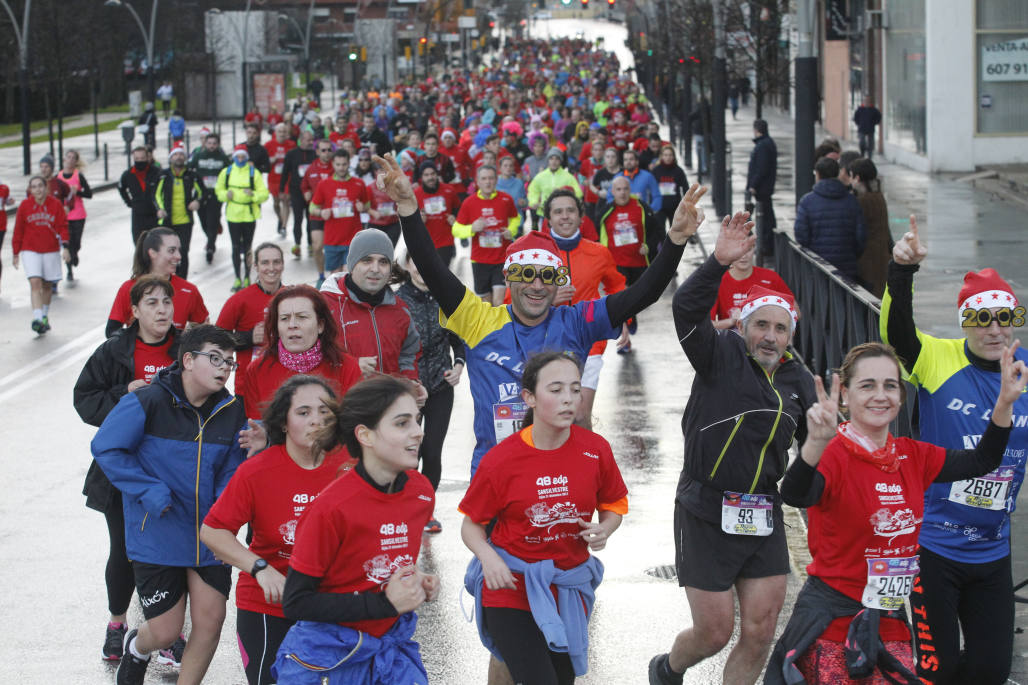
(610, 3)
(422, 42)
(585, 3)
(353, 54)
(364, 54)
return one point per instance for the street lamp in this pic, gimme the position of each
(305, 36)
(148, 38)
(20, 36)
(243, 43)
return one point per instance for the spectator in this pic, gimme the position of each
(148, 125)
(872, 267)
(829, 221)
(166, 92)
(760, 181)
(845, 159)
(866, 118)
(177, 127)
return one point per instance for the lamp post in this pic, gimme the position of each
(20, 36)
(148, 38)
(305, 36)
(243, 44)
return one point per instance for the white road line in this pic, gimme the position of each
(68, 348)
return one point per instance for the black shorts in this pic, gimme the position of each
(707, 558)
(161, 587)
(487, 277)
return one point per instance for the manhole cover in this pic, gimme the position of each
(663, 572)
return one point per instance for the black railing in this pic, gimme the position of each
(835, 314)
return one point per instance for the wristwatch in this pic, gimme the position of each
(258, 566)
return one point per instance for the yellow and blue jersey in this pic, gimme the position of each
(498, 346)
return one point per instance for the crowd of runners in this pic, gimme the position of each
(304, 413)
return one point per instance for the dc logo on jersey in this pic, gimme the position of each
(509, 391)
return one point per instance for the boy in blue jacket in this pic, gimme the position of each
(171, 448)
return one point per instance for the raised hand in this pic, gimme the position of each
(735, 238)
(1014, 375)
(909, 249)
(688, 216)
(395, 184)
(823, 416)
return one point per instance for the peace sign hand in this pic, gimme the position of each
(735, 238)
(1014, 375)
(391, 179)
(688, 216)
(823, 416)
(909, 250)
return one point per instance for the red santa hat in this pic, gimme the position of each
(984, 289)
(177, 149)
(448, 132)
(533, 248)
(240, 150)
(758, 297)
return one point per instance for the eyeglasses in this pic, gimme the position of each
(324, 149)
(527, 273)
(217, 361)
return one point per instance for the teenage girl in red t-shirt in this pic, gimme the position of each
(269, 492)
(541, 487)
(865, 494)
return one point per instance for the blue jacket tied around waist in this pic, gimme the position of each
(313, 651)
(564, 622)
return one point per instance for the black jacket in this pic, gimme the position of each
(259, 157)
(763, 167)
(740, 421)
(291, 176)
(436, 341)
(193, 190)
(140, 201)
(829, 221)
(102, 383)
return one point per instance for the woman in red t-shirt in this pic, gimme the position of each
(269, 492)
(40, 242)
(301, 336)
(865, 494)
(353, 581)
(541, 486)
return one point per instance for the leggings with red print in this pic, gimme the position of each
(978, 599)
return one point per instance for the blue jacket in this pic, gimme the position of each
(564, 622)
(644, 186)
(829, 221)
(170, 466)
(312, 651)
(763, 168)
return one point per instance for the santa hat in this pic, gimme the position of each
(758, 297)
(178, 149)
(533, 248)
(449, 132)
(204, 132)
(985, 289)
(240, 150)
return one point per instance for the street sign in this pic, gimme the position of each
(466, 22)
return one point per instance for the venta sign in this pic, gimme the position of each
(1005, 61)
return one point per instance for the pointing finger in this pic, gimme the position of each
(913, 224)
(819, 389)
(836, 385)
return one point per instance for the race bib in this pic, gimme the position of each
(985, 492)
(387, 208)
(435, 205)
(889, 582)
(508, 418)
(302, 169)
(278, 168)
(625, 234)
(341, 208)
(490, 239)
(743, 514)
(667, 188)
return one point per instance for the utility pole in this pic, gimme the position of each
(718, 182)
(21, 37)
(805, 99)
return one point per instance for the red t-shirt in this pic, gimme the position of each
(270, 491)
(342, 198)
(490, 245)
(317, 171)
(383, 204)
(265, 375)
(537, 497)
(187, 301)
(866, 513)
(241, 313)
(149, 359)
(623, 232)
(436, 207)
(732, 293)
(354, 537)
(277, 154)
(40, 227)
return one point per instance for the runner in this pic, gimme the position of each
(136, 187)
(40, 242)
(171, 448)
(125, 362)
(965, 584)
(549, 179)
(293, 169)
(537, 521)
(624, 231)
(439, 205)
(157, 253)
(671, 180)
(207, 162)
(866, 496)
(338, 201)
(741, 276)
(644, 185)
(71, 174)
(178, 196)
(318, 170)
(258, 155)
(277, 148)
(241, 186)
(355, 611)
(746, 406)
(268, 493)
(302, 337)
(244, 312)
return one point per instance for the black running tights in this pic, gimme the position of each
(121, 582)
(260, 636)
(524, 650)
(436, 421)
(242, 241)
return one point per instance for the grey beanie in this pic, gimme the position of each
(47, 159)
(367, 242)
(555, 152)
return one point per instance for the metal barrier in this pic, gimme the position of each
(835, 315)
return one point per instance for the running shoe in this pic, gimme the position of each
(237, 285)
(71, 275)
(172, 656)
(246, 282)
(44, 324)
(210, 255)
(433, 526)
(131, 670)
(321, 280)
(296, 251)
(281, 231)
(627, 349)
(37, 326)
(661, 673)
(114, 642)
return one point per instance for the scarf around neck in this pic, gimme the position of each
(863, 448)
(300, 362)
